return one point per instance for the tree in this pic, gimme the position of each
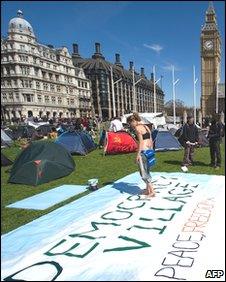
(180, 107)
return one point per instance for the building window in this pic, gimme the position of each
(57, 77)
(37, 85)
(41, 63)
(4, 97)
(58, 88)
(52, 87)
(17, 96)
(28, 98)
(79, 83)
(46, 99)
(8, 83)
(68, 101)
(36, 71)
(22, 47)
(72, 101)
(40, 98)
(26, 83)
(53, 100)
(25, 70)
(59, 100)
(48, 65)
(54, 67)
(45, 86)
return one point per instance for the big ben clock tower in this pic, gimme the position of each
(210, 62)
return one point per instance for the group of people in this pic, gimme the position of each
(189, 135)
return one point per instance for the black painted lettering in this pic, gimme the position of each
(138, 245)
(123, 215)
(57, 266)
(168, 272)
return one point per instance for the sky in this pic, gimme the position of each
(160, 33)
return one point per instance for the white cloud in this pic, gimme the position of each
(155, 47)
(169, 67)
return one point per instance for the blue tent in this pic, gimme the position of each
(76, 142)
(165, 141)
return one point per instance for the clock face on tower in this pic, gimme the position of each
(208, 44)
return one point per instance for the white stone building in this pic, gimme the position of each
(39, 80)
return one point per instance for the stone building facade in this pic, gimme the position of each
(39, 80)
(114, 87)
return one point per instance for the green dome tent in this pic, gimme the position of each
(41, 162)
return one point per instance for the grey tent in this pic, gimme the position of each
(173, 130)
(5, 161)
(5, 139)
(165, 141)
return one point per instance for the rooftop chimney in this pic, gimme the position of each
(130, 65)
(142, 72)
(97, 53)
(97, 48)
(75, 50)
(117, 60)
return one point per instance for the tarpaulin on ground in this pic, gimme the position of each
(117, 234)
(49, 198)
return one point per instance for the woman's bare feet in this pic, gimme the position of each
(145, 192)
(151, 191)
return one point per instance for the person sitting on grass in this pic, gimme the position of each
(53, 133)
(37, 135)
(145, 144)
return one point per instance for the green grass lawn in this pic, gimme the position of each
(94, 165)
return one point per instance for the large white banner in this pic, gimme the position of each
(115, 234)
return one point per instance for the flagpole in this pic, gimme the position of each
(194, 83)
(174, 95)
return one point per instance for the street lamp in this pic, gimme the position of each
(134, 92)
(174, 96)
(113, 90)
(194, 83)
(155, 82)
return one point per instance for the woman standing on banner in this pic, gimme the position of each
(145, 154)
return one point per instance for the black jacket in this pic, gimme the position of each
(190, 133)
(215, 132)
